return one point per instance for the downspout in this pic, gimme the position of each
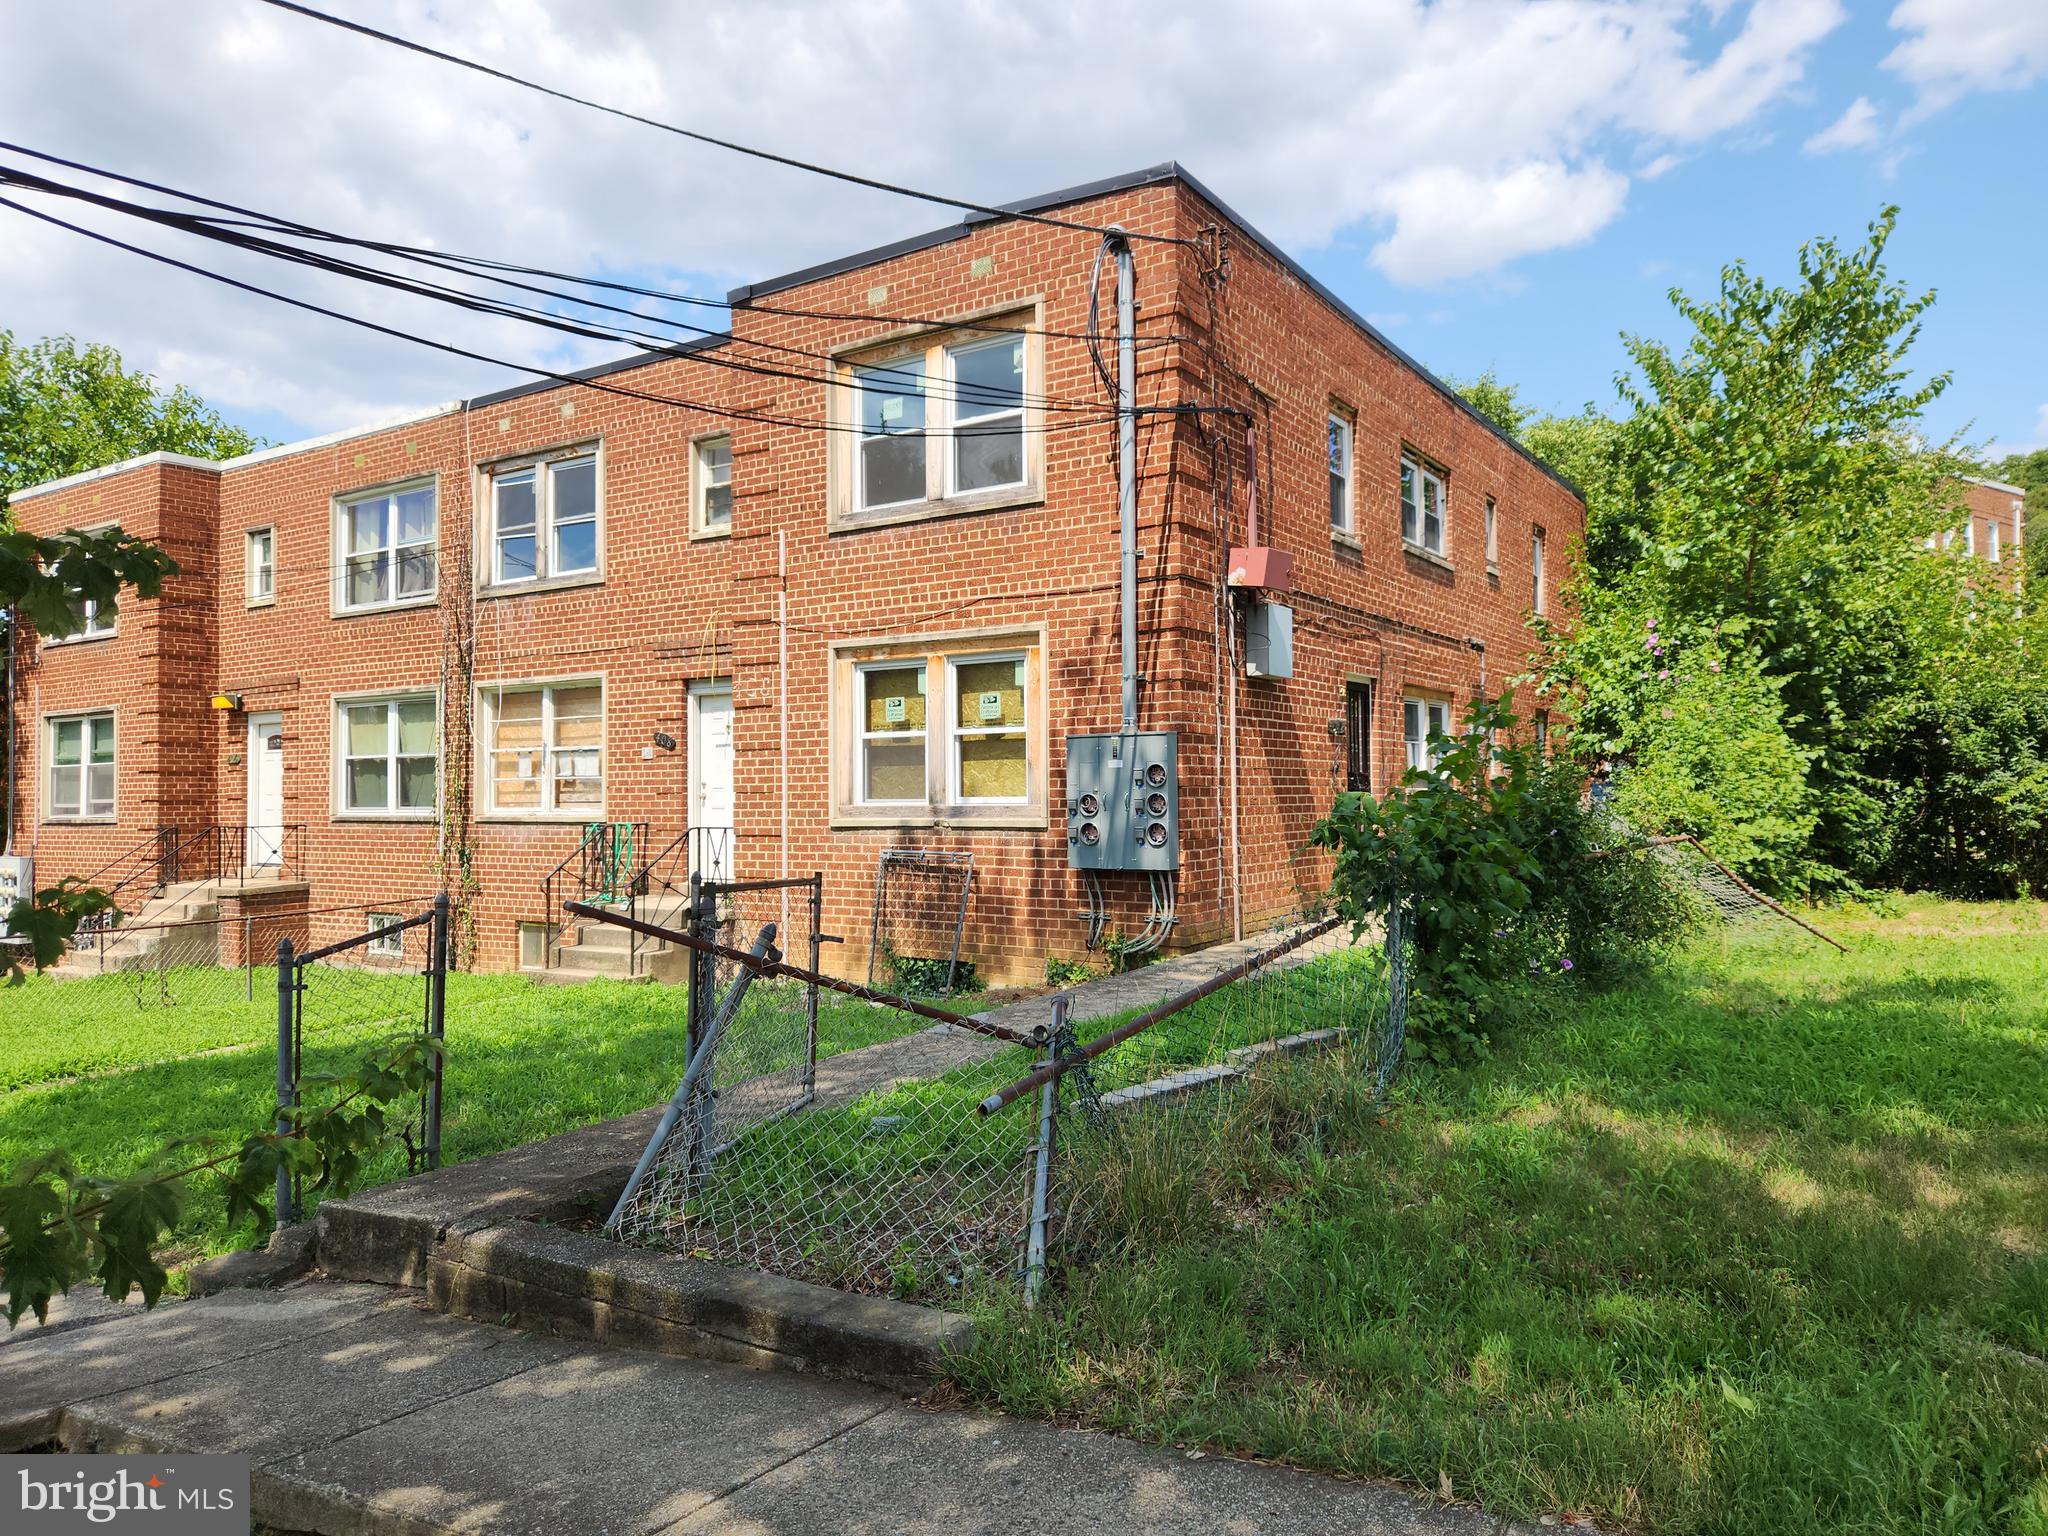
(782, 701)
(13, 733)
(1127, 470)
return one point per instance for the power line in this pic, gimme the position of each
(365, 30)
(554, 375)
(484, 266)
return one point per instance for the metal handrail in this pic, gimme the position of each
(595, 867)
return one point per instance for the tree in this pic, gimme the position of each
(66, 408)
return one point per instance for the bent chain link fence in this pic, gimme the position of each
(355, 984)
(887, 1174)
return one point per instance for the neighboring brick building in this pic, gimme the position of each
(1997, 525)
(511, 607)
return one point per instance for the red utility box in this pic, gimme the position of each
(1261, 568)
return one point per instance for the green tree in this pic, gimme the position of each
(66, 408)
(1499, 402)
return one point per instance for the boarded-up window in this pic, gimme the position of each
(990, 751)
(892, 725)
(547, 748)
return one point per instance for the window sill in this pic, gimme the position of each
(708, 535)
(377, 818)
(402, 605)
(540, 818)
(542, 584)
(1493, 573)
(261, 602)
(1007, 818)
(70, 640)
(1003, 499)
(1346, 541)
(1426, 555)
(81, 821)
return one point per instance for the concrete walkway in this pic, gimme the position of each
(362, 1413)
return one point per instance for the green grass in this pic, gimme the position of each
(1757, 1244)
(524, 1061)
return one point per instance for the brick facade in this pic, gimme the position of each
(671, 609)
(1997, 520)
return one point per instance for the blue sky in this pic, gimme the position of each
(1502, 184)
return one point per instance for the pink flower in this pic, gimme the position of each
(1665, 674)
(1713, 666)
(1565, 964)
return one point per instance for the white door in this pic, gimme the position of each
(266, 791)
(711, 791)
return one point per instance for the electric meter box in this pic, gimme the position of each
(1123, 801)
(1269, 641)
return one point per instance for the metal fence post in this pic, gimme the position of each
(287, 1074)
(437, 1023)
(811, 987)
(1041, 1179)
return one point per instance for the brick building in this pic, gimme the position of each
(662, 595)
(1996, 525)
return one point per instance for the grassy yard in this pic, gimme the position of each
(1759, 1244)
(88, 1065)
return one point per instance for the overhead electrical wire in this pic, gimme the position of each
(965, 393)
(363, 29)
(555, 375)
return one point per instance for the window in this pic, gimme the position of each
(1421, 720)
(1358, 736)
(941, 423)
(990, 757)
(930, 732)
(711, 486)
(1340, 474)
(988, 413)
(387, 548)
(544, 520)
(1492, 535)
(259, 565)
(1991, 550)
(81, 756)
(545, 748)
(892, 735)
(891, 466)
(1422, 506)
(1536, 570)
(94, 623)
(386, 945)
(390, 755)
(1542, 733)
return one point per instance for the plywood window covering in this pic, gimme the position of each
(547, 749)
(893, 735)
(940, 730)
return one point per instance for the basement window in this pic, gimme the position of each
(1423, 721)
(81, 774)
(390, 756)
(544, 749)
(385, 553)
(943, 423)
(387, 941)
(938, 732)
(1423, 501)
(544, 519)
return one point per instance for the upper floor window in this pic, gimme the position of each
(1991, 549)
(544, 520)
(390, 755)
(94, 623)
(1422, 506)
(259, 565)
(81, 773)
(988, 413)
(1492, 535)
(1425, 728)
(388, 548)
(1536, 597)
(1340, 474)
(946, 422)
(544, 745)
(711, 486)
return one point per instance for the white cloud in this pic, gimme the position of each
(1959, 46)
(1856, 128)
(1446, 139)
(1455, 223)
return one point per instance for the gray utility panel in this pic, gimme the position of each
(1123, 801)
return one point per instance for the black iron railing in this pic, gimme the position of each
(601, 868)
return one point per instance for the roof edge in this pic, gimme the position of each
(1994, 485)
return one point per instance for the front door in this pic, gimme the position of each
(711, 780)
(266, 791)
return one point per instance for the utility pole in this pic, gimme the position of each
(1127, 468)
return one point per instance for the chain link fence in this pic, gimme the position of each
(907, 1164)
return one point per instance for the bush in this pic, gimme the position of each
(1485, 857)
(1709, 755)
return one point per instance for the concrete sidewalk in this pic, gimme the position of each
(363, 1413)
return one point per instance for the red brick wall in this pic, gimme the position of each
(672, 610)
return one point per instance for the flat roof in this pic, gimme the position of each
(1995, 485)
(1157, 175)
